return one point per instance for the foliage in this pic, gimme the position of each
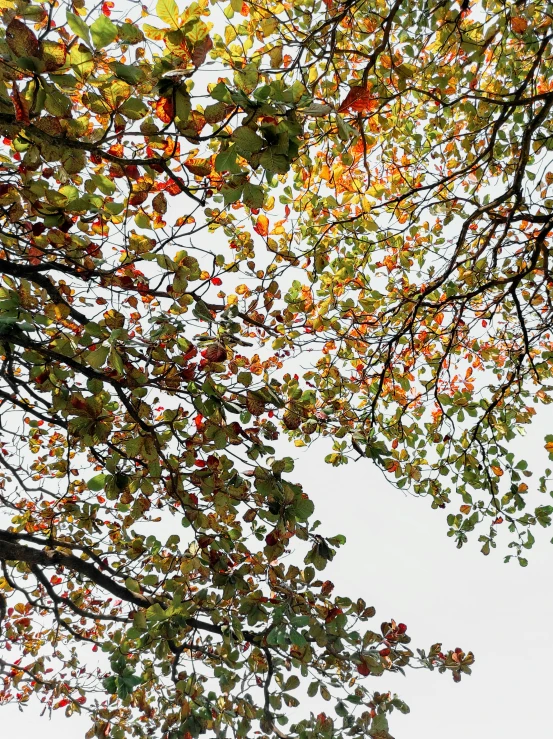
(192, 201)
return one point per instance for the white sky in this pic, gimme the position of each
(399, 559)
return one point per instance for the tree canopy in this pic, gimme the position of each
(228, 225)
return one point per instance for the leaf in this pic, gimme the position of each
(201, 311)
(519, 24)
(316, 110)
(247, 78)
(253, 195)
(247, 140)
(262, 225)
(21, 39)
(134, 108)
(131, 74)
(215, 113)
(97, 483)
(358, 99)
(379, 723)
(133, 586)
(78, 26)
(97, 358)
(54, 55)
(81, 61)
(303, 509)
(129, 33)
(231, 193)
(21, 106)
(168, 12)
(103, 32)
(225, 161)
(273, 161)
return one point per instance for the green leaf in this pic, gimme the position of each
(303, 509)
(247, 78)
(247, 140)
(168, 12)
(313, 689)
(132, 585)
(78, 26)
(272, 161)
(253, 195)
(201, 311)
(97, 358)
(130, 74)
(103, 32)
(116, 361)
(134, 109)
(225, 161)
(231, 193)
(221, 93)
(380, 723)
(81, 61)
(129, 33)
(97, 483)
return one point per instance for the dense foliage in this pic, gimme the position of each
(196, 204)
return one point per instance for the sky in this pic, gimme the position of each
(399, 559)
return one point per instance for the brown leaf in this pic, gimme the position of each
(519, 24)
(159, 203)
(201, 51)
(21, 40)
(21, 106)
(291, 419)
(254, 404)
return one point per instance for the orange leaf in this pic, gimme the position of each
(262, 225)
(165, 110)
(518, 24)
(358, 99)
(21, 106)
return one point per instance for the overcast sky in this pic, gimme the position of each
(399, 559)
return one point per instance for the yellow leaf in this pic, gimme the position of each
(57, 311)
(168, 12)
(262, 225)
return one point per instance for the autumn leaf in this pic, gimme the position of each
(21, 106)
(21, 39)
(358, 99)
(165, 110)
(262, 225)
(519, 24)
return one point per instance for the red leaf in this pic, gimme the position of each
(165, 110)
(331, 615)
(21, 107)
(358, 99)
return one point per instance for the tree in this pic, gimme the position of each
(186, 209)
